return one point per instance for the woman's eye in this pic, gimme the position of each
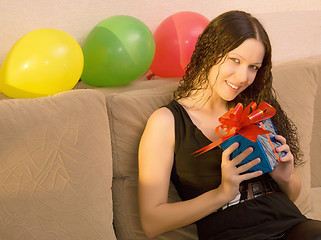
(254, 67)
(235, 60)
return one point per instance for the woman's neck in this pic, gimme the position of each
(205, 100)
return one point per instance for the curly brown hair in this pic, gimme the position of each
(223, 34)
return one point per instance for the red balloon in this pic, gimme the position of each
(175, 40)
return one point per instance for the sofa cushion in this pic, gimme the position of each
(315, 212)
(55, 161)
(316, 129)
(128, 113)
(296, 84)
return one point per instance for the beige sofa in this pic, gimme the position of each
(68, 162)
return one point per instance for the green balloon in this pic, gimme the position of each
(117, 51)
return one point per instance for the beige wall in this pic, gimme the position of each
(293, 25)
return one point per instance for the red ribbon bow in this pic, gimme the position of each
(242, 122)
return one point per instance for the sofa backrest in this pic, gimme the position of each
(55, 168)
(316, 132)
(298, 84)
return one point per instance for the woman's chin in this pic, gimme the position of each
(230, 98)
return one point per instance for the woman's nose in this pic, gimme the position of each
(242, 74)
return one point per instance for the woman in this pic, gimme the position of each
(231, 63)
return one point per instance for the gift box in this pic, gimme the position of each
(263, 148)
(251, 126)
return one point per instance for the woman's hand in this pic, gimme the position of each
(284, 174)
(284, 170)
(232, 175)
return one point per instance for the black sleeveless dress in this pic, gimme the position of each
(268, 213)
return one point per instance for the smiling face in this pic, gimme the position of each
(237, 70)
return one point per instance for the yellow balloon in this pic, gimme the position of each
(43, 62)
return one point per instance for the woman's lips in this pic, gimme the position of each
(233, 86)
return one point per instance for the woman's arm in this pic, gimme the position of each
(284, 174)
(156, 153)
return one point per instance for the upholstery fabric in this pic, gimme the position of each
(298, 102)
(55, 168)
(316, 136)
(128, 113)
(315, 212)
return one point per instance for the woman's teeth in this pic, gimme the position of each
(232, 86)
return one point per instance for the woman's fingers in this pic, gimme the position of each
(287, 158)
(249, 165)
(283, 148)
(280, 139)
(239, 158)
(228, 151)
(250, 175)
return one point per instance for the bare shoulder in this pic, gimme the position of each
(158, 140)
(162, 117)
(160, 128)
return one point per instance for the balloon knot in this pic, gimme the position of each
(150, 76)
